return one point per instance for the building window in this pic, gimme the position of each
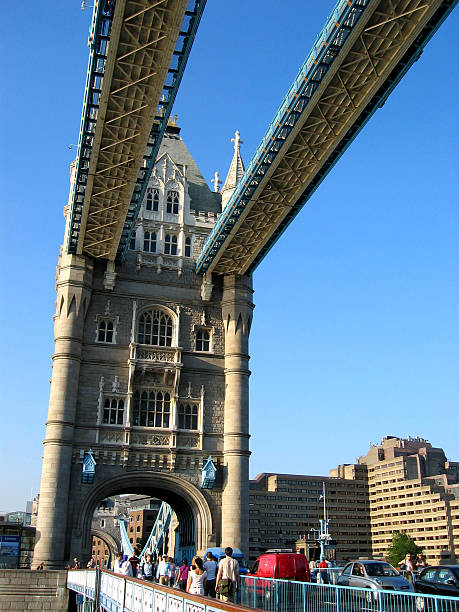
(172, 202)
(152, 200)
(155, 328)
(188, 246)
(105, 329)
(151, 409)
(113, 411)
(132, 242)
(149, 242)
(203, 340)
(102, 522)
(170, 244)
(188, 416)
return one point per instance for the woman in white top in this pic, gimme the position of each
(196, 577)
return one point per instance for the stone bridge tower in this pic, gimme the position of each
(150, 374)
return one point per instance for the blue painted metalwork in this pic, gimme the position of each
(208, 472)
(126, 545)
(99, 40)
(159, 530)
(89, 468)
(341, 22)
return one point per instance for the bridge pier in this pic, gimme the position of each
(74, 282)
(237, 308)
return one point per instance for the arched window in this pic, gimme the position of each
(172, 202)
(113, 411)
(203, 340)
(132, 242)
(188, 416)
(149, 242)
(170, 244)
(155, 328)
(152, 200)
(151, 408)
(187, 246)
(105, 330)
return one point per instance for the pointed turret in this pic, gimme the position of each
(235, 171)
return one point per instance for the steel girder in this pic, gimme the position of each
(360, 56)
(139, 50)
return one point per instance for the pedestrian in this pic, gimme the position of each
(163, 573)
(420, 563)
(228, 579)
(173, 571)
(322, 576)
(134, 559)
(146, 568)
(182, 575)
(118, 563)
(196, 582)
(40, 567)
(76, 563)
(122, 565)
(211, 567)
(91, 563)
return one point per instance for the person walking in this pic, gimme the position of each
(146, 568)
(211, 567)
(228, 580)
(196, 582)
(163, 573)
(182, 575)
(134, 560)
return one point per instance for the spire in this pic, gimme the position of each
(235, 171)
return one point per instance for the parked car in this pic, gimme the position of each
(439, 580)
(377, 575)
(287, 565)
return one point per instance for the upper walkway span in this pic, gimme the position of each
(138, 52)
(359, 57)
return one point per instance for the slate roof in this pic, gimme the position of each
(202, 198)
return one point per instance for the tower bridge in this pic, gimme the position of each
(154, 289)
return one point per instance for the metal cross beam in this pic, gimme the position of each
(139, 49)
(361, 54)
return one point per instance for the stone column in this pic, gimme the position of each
(74, 281)
(237, 308)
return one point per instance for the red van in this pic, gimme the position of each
(286, 565)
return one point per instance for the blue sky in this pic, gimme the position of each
(355, 333)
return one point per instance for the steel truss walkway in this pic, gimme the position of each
(359, 57)
(138, 52)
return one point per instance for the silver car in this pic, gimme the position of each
(373, 575)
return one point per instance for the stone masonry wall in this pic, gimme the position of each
(23, 590)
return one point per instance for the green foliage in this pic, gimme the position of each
(401, 545)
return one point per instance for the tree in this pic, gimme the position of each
(401, 545)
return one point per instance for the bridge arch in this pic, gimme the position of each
(109, 540)
(187, 501)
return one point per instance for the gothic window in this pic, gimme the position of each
(152, 200)
(132, 242)
(170, 244)
(172, 202)
(155, 328)
(188, 416)
(113, 411)
(203, 340)
(105, 329)
(149, 242)
(188, 246)
(151, 408)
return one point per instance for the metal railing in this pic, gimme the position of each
(103, 591)
(276, 595)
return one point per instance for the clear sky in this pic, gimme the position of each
(355, 333)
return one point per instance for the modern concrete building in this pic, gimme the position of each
(399, 485)
(150, 373)
(285, 508)
(413, 488)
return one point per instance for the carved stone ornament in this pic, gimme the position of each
(150, 439)
(111, 437)
(189, 441)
